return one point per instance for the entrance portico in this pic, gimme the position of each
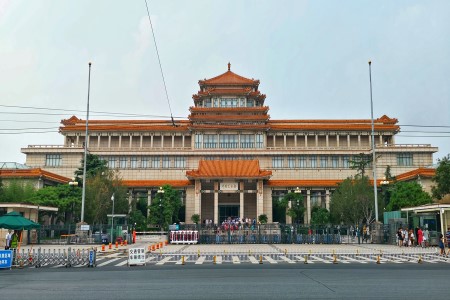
(228, 187)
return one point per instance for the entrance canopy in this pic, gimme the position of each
(442, 209)
(15, 221)
(248, 169)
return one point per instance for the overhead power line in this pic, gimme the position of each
(159, 61)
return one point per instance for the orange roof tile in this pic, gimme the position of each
(228, 78)
(304, 183)
(229, 117)
(156, 183)
(232, 127)
(232, 109)
(424, 172)
(33, 173)
(229, 169)
(336, 127)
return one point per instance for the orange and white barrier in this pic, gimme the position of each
(184, 237)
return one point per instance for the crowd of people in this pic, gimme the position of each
(412, 238)
(233, 223)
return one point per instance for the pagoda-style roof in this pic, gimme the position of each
(254, 109)
(229, 78)
(75, 124)
(231, 91)
(414, 174)
(32, 173)
(228, 169)
(228, 118)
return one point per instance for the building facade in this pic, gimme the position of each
(229, 158)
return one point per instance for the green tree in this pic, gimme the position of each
(320, 216)
(442, 178)
(360, 163)
(136, 217)
(297, 209)
(195, 218)
(262, 219)
(66, 198)
(353, 201)
(407, 194)
(94, 166)
(18, 191)
(99, 190)
(164, 209)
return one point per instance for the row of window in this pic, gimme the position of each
(302, 161)
(229, 102)
(229, 141)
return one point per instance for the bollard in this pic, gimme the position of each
(378, 260)
(285, 252)
(335, 259)
(198, 253)
(260, 260)
(103, 247)
(309, 252)
(110, 246)
(117, 244)
(182, 260)
(420, 259)
(214, 259)
(306, 260)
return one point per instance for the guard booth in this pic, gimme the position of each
(435, 217)
(119, 227)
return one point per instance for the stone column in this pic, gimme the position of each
(348, 140)
(289, 218)
(141, 141)
(326, 141)
(284, 140)
(109, 141)
(149, 201)
(151, 141)
(327, 199)
(131, 141)
(216, 202)
(337, 140)
(259, 198)
(380, 140)
(182, 141)
(317, 140)
(78, 140)
(295, 140)
(162, 141)
(306, 141)
(274, 140)
(120, 141)
(359, 141)
(173, 141)
(98, 141)
(241, 200)
(198, 198)
(130, 199)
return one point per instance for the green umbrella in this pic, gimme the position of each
(15, 221)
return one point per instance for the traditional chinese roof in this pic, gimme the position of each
(229, 109)
(304, 183)
(420, 172)
(228, 169)
(228, 117)
(229, 78)
(33, 173)
(156, 183)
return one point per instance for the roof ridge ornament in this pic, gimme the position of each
(229, 66)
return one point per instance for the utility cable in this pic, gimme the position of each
(159, 61)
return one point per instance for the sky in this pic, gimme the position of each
(311, 58)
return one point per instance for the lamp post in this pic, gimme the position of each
(161, 195)
(112, 219)
(86, 140)
(385, 184)
(73, 184)
(374, 163)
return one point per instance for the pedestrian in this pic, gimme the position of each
(412, 238)
(8, 239)
(367, 233)
(400, 236)
(441, 245)
(426, 235)
(364, 233)
(447, 238)
(420, 237)
(14, 240)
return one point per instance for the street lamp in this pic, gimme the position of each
(73, 184)
(374, 163)
(112, 219)
(297, 190)
(86, 141)
(161, 193)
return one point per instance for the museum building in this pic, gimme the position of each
(229, 158)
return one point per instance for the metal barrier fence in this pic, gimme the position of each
(285, 234)
(41, 258)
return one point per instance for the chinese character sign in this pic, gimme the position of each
(6, 258)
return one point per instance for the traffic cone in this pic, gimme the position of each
(420, 259)
(378, 260)
(306, 260)
(335, 259)
(260, 260)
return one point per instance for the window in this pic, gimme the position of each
(53, 160)
(198, 140)
(144, 162)
(302, 161)
(112, 162)
(210, 141)
(335, 161)
(133, 162)
(180, 162)
(250, 103)
(291, 162)
(123, 162)
(166, 162)
(207, 103)
(315, 196)
(346, 161)
(277, 162)
(313, 161)
(404, 159)
(228, 141)
(247, 141)
(155, 162)
(324, 162)
(228, 102)
(259, 141)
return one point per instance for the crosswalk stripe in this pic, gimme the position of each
(353, 259)
(270, 259)
(290, 261)
(337, 259)
(200, 260)
(122, 263)
(218, 259)
(236, 260)
(311, 257)
(149, 258)
(180, 261)
(302, 259)
(107, 262)
(164, 260)
(253, 260)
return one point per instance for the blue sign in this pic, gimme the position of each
(91, 257)
(6, 257)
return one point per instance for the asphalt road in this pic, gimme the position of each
(327, 281)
